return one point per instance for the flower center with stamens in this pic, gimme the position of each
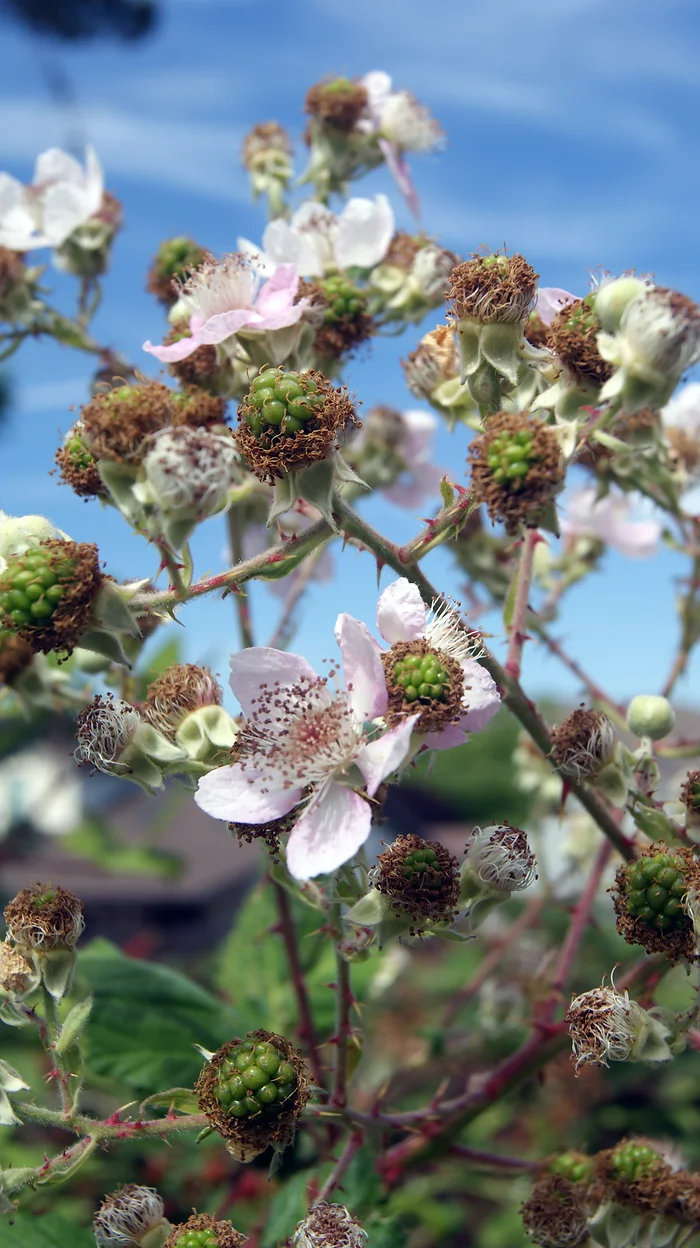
(220, 286)
(420, 678)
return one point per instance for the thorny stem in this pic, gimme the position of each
(343, 1030)
(245, 624)
(352, 1146)
(307, 1027)
(507, 941)
(113, 1128)
(513, 695)
(493, 1161)
(49, 1035)
(689, 623)
(516, 634)
(579, 922)
(173, 568)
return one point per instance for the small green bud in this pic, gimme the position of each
(612, 298)
(649, 715)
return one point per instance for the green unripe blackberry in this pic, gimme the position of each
(422, 676)
(197, 1239)
(573, 337)
(690, 792)
(201, 1230)
(254, 1079)
(252, 1091)
(516, 469)
(575, 1167)
(654, 891)
(510, 455)
(283, 402)
(631, 1161)
(32, 585)
(47, 593)
(420, 877)
(344, 300)
(175, 258)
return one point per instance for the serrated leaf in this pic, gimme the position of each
(24, 1230)
(182, 1099)
(146, 1020)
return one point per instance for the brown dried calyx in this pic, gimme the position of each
(76, 568)
(676, 944)
(264, 138)
(117, 424)
(181, 689)
(44, 917)
(516, 492)
(582, 744)
(12, 271)
(247, 1137)
(338, 104)
(492, 289)
(556, 1215)
(15, 656)
(421, 878)
(572, 336)
(224, 1233)
(336, 338)
(690, 792)
(197, 408)
(201, 368)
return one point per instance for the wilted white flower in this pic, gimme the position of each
(501, 858)
(62, 197)
(605, 1025)
(658, 339)
(329, 1226)
(126, 1216)
(401, 124)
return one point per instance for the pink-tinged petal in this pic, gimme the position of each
(277, 293)
(424, 479)
(173, 351)
(262, 665)
(480, 697)
(244, 796)
(377, 760)
(446, 738)
(400, 172)
(638, 539)
(550, 300)
(401, 612)
(364, 674)
(328, 834)
(222, 325)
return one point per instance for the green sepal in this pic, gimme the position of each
(119, 480)
(205, 732)
(314, 483)
(75, 1023)
(106, 644)
(611, 781)
(284, 497)
(182, 1099)
(468, 339)
(8, 1117)
(156, 1237)
(369, 910)
(13, 1180)
(12, 1016)
(56, 967)
(11, 1080)
(111, 611)
(152, 743)
(500, 345)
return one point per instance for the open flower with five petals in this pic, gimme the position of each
(62, 197)
(316, 240)
(308, 747)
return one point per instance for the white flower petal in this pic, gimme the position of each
(401, 612)
(683, 410)
(260, 664)
(285, 245)
(365, 229)
(364, 674)
(55, 165)
(328, 834)
(244, 796)
(481, 696)
(377, 760)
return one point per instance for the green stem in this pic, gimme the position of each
(113, 1128)
(50, 1036)
(235, 536)
(343, 1030)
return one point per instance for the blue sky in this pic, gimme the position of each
(572, 137)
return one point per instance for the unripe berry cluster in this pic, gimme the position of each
(254, 1079)
(31, 586)
(47, 593)
(510, 455)
(421, 676)
(655, 888)
(290, 420)
(631, 1161)
(516, 469)
(281, 401)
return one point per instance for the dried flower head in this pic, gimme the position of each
(288, 420)
(338, 103)
(77, 465)
(191, 469)
(17, 975)
(198, 409)
(253, 1092)
(574, 1166)
(493, 289)
(181, 689)
(44, 917)
(47, 594)
(127, 1215)
(663, 326)
(341, 310)
(654, 898)
(690, 792)
(172, 264)
(556, 1216)
(421, 878)
(605, 1025)
(104, 729)
(501, 857)
(573, 337)
(535, 331)
(435, 360)
(201, 1230)
(117, 424)
(265, 141)
(15, 656)
(200, 368)
(421, 677)
(516, 469)
(329, 1226)
(582, 744)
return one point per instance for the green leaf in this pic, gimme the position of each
(23, 1230)
(96, 841)
(182, 1099)
(146, 1020)
(74, 1025)
(288, 1207)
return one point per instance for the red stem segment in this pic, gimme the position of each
(307, 1028)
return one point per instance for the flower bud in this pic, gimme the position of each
(498, 858)
(583, 744)
(45, 923)
(650, 716)
(516, 470)
(253, 1092)
(48, 594)
(184, 704)
(172, 265)
(189, 474)
(85, 253)
(201, 1230)
(131, 1217)
(492, 297)
(289, 426)
(612, 298)
(267, 155)
(556, 1216)
(605, 1025)
(420, 879)
(658, 339)
(329, 1226)
(655, 901)
(113, 738)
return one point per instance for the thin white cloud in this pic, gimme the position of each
(48, 396)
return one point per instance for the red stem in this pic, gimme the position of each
(517, 635)
(307, 1028)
